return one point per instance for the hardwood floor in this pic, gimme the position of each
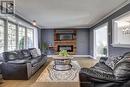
(84, 62)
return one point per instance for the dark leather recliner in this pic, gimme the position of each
(103, 75)
(21, 64)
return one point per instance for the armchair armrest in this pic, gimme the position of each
(96, 76)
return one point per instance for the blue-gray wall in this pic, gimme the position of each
(113, 51)
(82, 42)
(47, 35)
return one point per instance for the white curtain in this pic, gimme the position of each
(35, 38)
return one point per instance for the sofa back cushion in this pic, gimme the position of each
(9, 56)
(122, 70)
(111, 62)
(26, 53)
(20, 55)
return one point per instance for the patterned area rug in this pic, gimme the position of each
(51, 75)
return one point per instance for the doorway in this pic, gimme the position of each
(101, 41)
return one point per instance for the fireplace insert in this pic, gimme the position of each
(69, 48)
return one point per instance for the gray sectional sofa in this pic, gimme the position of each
(21, 64)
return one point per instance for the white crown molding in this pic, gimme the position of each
(112, 12)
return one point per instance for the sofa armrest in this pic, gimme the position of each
(13, 71)
(43, 55)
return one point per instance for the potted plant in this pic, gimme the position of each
(44, 47)
(63, 53)
(66, 56)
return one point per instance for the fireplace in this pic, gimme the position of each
(69, 48)
(65, 40)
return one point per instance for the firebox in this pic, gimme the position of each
(69, 48)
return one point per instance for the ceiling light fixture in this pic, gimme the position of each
(34, 22)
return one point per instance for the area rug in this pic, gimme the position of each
(51, 75)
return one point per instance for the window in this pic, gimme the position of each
(30, 35)
(11, 36)
(21, 37)
(101, 41)
(1, 36)
(121, 31)
(16, 39)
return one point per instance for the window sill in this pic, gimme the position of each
(121, 45)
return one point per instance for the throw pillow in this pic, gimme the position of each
(25, 53)
(111, 62)
(9, 56)
(122, 70)
(1, 57)
(39, 52)
(34, 53)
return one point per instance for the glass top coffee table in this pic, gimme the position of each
(62, 63)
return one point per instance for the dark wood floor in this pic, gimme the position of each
(84, 62)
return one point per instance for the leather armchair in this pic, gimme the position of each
(117, 77)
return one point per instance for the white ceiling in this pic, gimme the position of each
(66, 13)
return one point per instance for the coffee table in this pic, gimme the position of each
(62, 63)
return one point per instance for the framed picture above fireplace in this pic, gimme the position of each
(64, 36)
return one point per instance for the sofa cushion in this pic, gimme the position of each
(122, 70)
(26, 53)
(9, 56)
(111, 62)
(35, 60)
(20, 55)
(34, 53)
